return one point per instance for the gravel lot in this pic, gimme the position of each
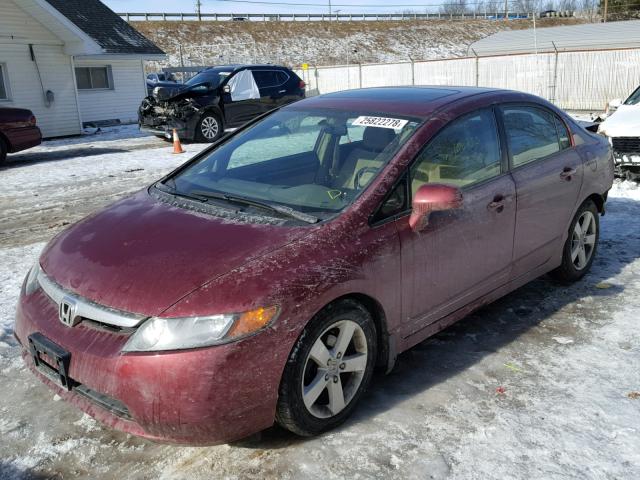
(545, 383)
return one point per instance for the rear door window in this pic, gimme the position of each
(269, 78)
(531, 133)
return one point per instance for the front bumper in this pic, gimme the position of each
(626, 165)
(199, 397)
(165, 132)
(185, 132)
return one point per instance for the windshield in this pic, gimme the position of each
(213, 77)
(634, 98)
(316, 162)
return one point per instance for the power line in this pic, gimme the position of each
(363, 5)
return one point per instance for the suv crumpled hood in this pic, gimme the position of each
(141, 255)
(175, 91)
(624, 122)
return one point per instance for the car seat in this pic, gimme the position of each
(365, 156)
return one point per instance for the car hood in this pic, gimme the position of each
(175, 91)
(168, 91)
(142, 255)
(624, 122)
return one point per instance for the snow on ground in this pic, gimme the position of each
(541, 384)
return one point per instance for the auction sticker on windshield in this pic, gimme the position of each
(381, 122)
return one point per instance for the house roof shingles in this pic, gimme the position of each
(105, 27)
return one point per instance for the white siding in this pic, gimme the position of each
(123, 100)
(17, 31)
(14, 22)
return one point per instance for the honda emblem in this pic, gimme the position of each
(67, 312)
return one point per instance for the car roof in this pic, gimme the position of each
(239, 66)
(415, 101)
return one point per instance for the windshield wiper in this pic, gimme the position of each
(173, 191)
(273, 207)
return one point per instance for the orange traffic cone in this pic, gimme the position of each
(177, 146)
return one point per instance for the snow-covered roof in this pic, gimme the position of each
(106, 28)
(590, 36)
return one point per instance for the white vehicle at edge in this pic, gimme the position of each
(622, 127)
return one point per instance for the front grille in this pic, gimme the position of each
(628, 145)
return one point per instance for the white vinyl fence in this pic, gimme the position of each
(580, 80)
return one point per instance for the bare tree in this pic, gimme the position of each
(493, 6)
(455, 7)
(567, 5)
(589, 9)
(526, 6)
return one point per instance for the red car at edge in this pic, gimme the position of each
(18, 131)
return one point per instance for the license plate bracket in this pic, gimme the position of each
(57, 358)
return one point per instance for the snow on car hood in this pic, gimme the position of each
(624, 122)
(142, 256)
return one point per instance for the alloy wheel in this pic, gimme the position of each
(583, 240)
(334, 369)
(209, 127)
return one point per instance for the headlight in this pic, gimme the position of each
(158, 334)
(31, 285)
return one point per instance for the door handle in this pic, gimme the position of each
(497, 204)
(282, 91)
(567, 173)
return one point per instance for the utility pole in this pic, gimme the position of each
(506, 10)
(329, 10)
(606, 7)
(198, 5)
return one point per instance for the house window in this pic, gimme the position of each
(4, 89)
(94, 78)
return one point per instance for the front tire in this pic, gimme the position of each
(581, 245)
(209, 128)
(328, 369)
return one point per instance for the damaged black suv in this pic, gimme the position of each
(218, 99)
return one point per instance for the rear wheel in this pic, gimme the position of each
(328, 370)
(209, 128)
(581, 245)
(3, 151)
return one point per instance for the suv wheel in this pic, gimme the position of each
(209, 128)
(328, 370)
(581, 245)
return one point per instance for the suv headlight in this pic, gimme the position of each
(32, 284)
(158, 334)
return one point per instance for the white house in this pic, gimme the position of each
(71, 62)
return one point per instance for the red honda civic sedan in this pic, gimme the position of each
(265, 279)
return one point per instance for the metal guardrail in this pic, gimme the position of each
(147, 16)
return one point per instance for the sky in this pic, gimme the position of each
(295, 6)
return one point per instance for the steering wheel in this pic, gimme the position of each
(359, 175)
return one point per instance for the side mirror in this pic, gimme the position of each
(226, 89)
(612, 106)
(615, 103)
(433, 198)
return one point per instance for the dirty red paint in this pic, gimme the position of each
(145, 256)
